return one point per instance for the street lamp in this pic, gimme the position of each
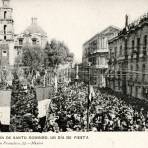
(77, 74)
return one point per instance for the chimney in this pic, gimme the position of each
(34, 20)
(126, 20)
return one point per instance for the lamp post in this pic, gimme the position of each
(77, 74)
(89, 64)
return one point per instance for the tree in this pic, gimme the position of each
(32, 57)
(56, 53)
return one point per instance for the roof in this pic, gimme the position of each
(107, 30)
(35, 28)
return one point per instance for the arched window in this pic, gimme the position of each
(137, 71)
(34, 41)
(121, 50)
(138, 45)
(5, 14)
(131, 71)
(143, 72)
(5, 26)
(145, 42)
(133, 44)
(20, 41)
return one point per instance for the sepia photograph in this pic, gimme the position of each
(73, 66)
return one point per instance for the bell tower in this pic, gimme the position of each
(6, 34)
(6, 22)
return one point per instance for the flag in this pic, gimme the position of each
(91, 95)
(43, 94)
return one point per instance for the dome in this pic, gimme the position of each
(35, 28)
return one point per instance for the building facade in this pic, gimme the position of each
(128, 59)
(95, 51)
(33, 35)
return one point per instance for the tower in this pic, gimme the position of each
(6, 34)
(6, 22)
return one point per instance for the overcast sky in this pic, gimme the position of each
(75, 21)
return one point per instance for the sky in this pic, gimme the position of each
(75, 21)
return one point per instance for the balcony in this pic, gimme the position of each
(18, 45)
(101, 66)
(102, 50)
(98, 51)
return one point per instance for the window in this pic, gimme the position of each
(145, 44)
(145, 41)
(20, 41)
(137, 71)
(4, 53)
(34, 41)
(120, 50)
(136, 89)
(145, 92)
(133, 45)
(131, 71)
(5, 26)
(5, 14)
(115, 52)
(143, 72)
(138, 45)
(118, 74)
(131, 88)
(102, 42)
(93, 60)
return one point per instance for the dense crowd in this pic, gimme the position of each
(24, 107)
(68, 112)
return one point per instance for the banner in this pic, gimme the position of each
(43, 107)
(5, 100)
(43, 100)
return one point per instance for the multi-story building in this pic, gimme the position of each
(95, 51)
(128, 59)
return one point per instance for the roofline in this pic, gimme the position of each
(98, 34)
(112, 27)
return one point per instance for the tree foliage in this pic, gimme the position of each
(57, 53)
(32, 56)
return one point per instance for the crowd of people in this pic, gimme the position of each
(107, 112)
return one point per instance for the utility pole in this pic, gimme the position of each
(125, 64)
(88, 97)
(77, 74)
